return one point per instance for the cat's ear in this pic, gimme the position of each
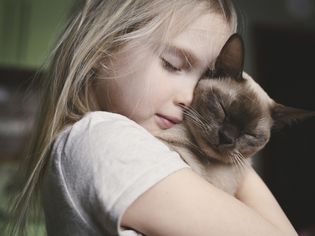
(284, 115)
(230, 61)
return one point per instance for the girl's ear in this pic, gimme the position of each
(283, 115)
(230, 61)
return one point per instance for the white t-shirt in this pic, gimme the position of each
(98, 167)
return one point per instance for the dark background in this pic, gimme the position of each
(285, 68)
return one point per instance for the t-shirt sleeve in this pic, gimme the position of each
(110, 162)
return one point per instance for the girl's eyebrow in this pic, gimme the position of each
(190, 58)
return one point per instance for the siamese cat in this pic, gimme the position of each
(229, 120)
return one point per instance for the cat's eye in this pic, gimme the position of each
(223, 109)
(250, 134)
(168, 66)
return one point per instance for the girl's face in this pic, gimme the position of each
(152, 94)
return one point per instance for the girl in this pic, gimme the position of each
(119, 75)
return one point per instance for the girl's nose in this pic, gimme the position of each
(184, 96)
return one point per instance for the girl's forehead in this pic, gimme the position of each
(204, 37)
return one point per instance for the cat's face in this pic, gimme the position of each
(231, 116)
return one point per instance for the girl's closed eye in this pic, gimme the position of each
(169, 66)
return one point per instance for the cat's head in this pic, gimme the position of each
(231, 116)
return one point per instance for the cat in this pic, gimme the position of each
(228, 121)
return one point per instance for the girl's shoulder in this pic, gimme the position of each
(107, 144)
(110, 159)
(99, 125)
(99, 134)
(105, 127)
(103, 119)
(106, 140)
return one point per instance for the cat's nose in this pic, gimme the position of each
(226, 138)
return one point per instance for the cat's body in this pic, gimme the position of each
(229, 120)
(226, 175)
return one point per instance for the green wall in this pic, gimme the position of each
(29, 29)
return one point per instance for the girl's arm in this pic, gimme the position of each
(255, 194)
(185, 204)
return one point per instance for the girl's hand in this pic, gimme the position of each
(255, 194)
(185, 204)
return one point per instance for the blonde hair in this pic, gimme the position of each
(94, 34)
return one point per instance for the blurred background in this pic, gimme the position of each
(280, 55)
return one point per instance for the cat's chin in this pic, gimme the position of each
(225, 155)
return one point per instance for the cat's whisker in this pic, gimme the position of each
(197, 116)
(195, 113)
(237, 163)
(241, 163)
(233, 160)
(192, 116)
(187, 108)
(241, 157)
(195, 121)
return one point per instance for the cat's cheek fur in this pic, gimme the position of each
(250, 145)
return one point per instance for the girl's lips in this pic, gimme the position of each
(165, 122)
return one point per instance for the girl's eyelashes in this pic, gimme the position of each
(168, 66)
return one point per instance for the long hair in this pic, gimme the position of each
(96, 31)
